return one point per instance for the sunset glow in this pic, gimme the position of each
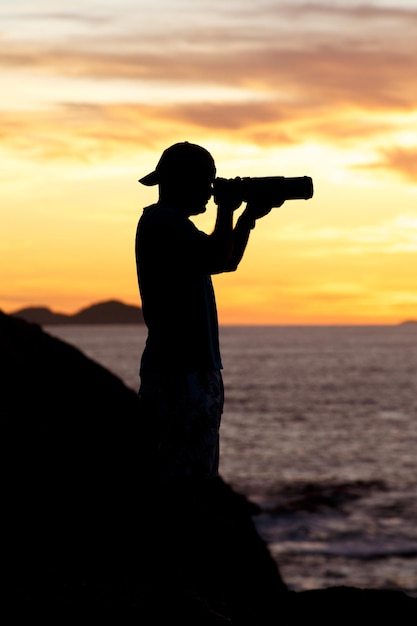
(93, 92)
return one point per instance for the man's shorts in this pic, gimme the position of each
(185, 413)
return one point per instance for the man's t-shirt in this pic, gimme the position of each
(178, 302)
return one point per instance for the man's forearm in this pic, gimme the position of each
(230, 243)
(244, 225)
(222, 240)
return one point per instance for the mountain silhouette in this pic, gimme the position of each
(110, 312)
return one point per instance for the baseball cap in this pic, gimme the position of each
(182, 158)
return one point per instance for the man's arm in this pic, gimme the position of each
(236, 239)
(221, 241)
(241, 232)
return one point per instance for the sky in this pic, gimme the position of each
(93, 92)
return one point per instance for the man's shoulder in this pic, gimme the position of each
(160, 213)
(165, 218)
(152, 212)
(154, 217)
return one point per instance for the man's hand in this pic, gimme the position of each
(259, 208)
(228, 195)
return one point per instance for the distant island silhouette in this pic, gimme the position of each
(109, 312)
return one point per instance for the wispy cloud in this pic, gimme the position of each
(41, 16)
(316, 46)
(325, 75)
(402, 160)
(87, 131)
(386, 237)
(300, 72)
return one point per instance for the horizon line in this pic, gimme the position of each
(221, 324)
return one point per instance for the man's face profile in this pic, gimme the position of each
(198, 191)
(189, 192)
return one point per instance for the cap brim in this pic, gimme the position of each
(150, 179)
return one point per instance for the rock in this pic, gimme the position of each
(348, 606)
(89, 532)
(76, 476)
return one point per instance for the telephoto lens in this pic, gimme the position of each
(272, 190)
(275, 189)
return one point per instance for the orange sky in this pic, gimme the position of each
(92, 94)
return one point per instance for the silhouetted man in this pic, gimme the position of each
(181, 384)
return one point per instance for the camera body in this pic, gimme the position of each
(272, 190)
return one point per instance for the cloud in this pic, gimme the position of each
(327, 76)
(302, 72)
(82, 17)
(398, 235)
(321, 54)
(90, 132)
(398, 159)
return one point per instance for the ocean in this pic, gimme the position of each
(320, 430)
